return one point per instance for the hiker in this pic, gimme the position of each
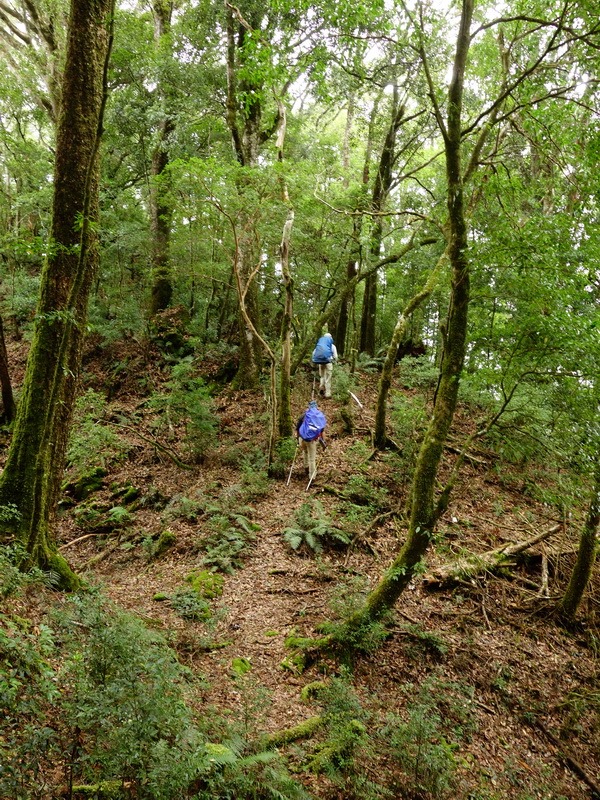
(309, 430)
(324, 354)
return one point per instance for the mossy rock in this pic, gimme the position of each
(166, 540)
(127, 493)
(85, 485)
(206, 583)
(240, 666)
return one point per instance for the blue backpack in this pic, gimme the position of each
(323, 353)
(313, 424)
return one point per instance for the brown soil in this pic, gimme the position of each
(493, 634)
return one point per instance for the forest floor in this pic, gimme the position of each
(523, 680)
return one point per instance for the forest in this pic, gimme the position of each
(192, 194)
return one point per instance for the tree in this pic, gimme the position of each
(161, 212)
(423, 510)
(586, 553)
(30, 482)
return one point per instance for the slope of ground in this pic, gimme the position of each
(489, 645)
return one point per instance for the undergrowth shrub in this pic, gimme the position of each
(27, 693)
(440, 715)
(190, 605)
(182, 507)
(408, 418)
(13, 557)
(312, 529)
(360, 490)
(187, 401)
(105, 699)
(123, 700)
(225, 538)
(347, 744)
(417, 372)
(92, 443)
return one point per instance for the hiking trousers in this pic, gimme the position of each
(309, 452)
(325, 373)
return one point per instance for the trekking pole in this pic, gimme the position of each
(293, 462)
(312, 397)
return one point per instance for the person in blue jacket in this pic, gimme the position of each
(324, 354)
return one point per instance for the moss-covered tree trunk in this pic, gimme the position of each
(423, 512)
(586, 554)
(285, 400)
(381, 190)
(245, 122)
(8, 400)
(285, 407)
(31, 478)
(161, 211)
(380, 438)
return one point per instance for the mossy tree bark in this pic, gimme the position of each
(245, 122)
(380, 438)
(161, 210)
(381, 189)
(423, 510)
(586, 554)
(32, 475)
(286, 428)
(8, 401)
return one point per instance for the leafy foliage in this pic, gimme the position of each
(313, 530)
(93, 443)
(187, 401)
(440, 715)
(224, 540)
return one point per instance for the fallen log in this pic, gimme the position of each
(470, 566)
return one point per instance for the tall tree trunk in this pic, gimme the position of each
(380, 438)
(244, 118)
(352, 266)
(381, 189)
(423, 510)
(285, 406)
(8, 401)
(586, 554)
(31, 479)
(161, 211)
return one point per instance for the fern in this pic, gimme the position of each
(313, 530)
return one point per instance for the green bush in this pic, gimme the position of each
(113, 715)
(408, 418)
(225, 539)
(418, 372)
(360, 490)
(123, 698)
(190, 605)
(187, 401)
(347, 744)
(92, 444)
(13, 577)
(312, 529)
(28, 691)
(440, 715)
